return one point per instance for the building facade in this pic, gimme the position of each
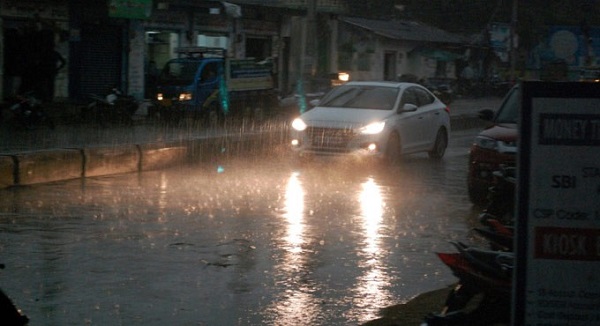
(124, 43)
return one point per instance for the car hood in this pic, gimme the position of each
(506, 132)
(321, 116)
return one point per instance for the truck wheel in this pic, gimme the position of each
(258, 114)
(213, 117)
(169, 116)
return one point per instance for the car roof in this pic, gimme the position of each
(382, 83)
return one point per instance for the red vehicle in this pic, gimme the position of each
(496, 145)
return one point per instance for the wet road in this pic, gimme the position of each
(239, 242)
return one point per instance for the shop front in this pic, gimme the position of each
(35, 51)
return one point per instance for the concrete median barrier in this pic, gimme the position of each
(111, 160)
(154, 156)
(48, 166)
(7, 171)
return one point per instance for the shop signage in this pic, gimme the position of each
(46, 9)
(557, 279)
(130, 9)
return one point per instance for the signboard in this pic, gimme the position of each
(46, 9)
(557, 279)
(500, 40)
(131, 9)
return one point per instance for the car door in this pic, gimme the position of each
(208, 82)
(409, 122)
(429, 113)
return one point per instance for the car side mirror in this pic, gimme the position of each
(408, 107)
(486, 115)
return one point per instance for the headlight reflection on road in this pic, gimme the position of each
(163, 201)
(294, 205)
(371, 285)
(371, 204)
(298, 302)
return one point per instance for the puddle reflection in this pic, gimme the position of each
(370, 292)
(298, 304)
(294, 206)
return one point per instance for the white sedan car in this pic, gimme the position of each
(383, 120)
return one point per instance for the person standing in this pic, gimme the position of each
(49, 67)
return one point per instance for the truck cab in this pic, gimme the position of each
(204, 83)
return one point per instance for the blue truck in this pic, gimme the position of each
(204, 83)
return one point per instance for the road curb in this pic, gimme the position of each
(100, 161)
(72, 163)
(48, 166)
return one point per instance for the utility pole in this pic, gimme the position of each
(513, 33)
(307, 45)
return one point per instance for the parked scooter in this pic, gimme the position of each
(500, 236)
(115, 107)
(9, 314)
(26, 112)
(487, 273)
(441, 88)
(501, 197)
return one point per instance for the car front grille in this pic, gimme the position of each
(329, 139)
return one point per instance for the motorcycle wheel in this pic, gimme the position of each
(10, 314)
(458, 298)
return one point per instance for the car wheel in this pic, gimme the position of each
(439, 148)
(393, 151)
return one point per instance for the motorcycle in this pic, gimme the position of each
(501, 197)
(8, 311)
(115, 107)
(441, 88)
(500, 236)
(480, 272)
(497, 218)
(484, 274)
(27, 112)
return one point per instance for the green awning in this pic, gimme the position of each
(439, 55)
(130, 9)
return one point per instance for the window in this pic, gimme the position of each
(423, 97)
(209, 72)
(409, 97)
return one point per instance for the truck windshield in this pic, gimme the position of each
(178, 73)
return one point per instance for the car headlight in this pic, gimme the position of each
(159, 96)
(486, 142)
(373, 128)
(298, 124)
(185, 96)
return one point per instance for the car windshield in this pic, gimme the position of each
(509, 111)
(361, 96)
(178, 73)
